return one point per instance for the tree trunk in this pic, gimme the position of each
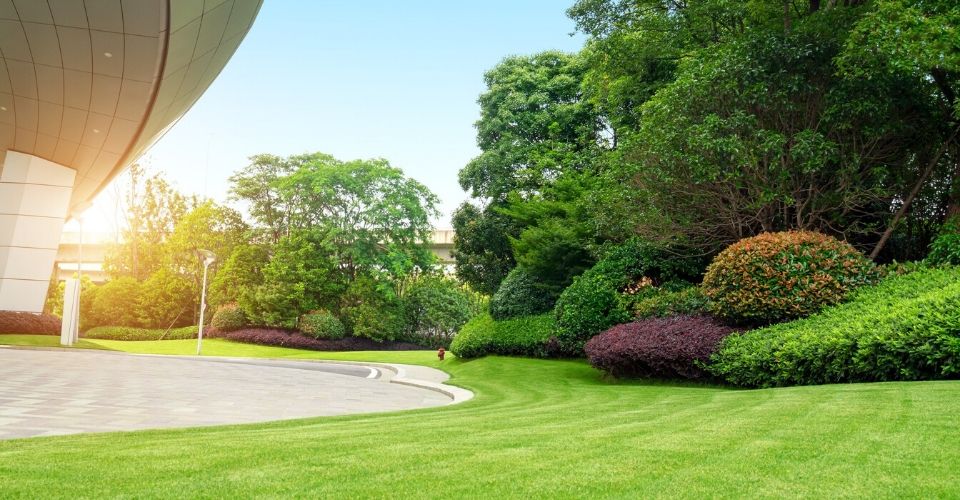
(913, 194)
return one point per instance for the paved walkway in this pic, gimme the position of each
(50, 392)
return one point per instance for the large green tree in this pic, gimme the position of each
(535, 127)
(151, 207)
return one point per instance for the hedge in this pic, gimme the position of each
(130, 333)
(906, 328)
(520, 295)
(526, 336)
(672, 347)
(23, 322)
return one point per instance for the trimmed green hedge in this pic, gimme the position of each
(130, 333)
(520, 295)
(526, 336)
(905, 328)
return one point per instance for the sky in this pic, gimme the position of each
(355, 79)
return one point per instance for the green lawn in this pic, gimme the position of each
(536, 429)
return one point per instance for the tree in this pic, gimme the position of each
(152, 207)
(535, 128)
(534, 124)
(240, 273)
(918, 41)
(115, 303)
(752, 129)
(167, 299)
(303, 275)
(209, 227)
(481, 247)
(258, 184)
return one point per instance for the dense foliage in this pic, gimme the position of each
(131, 333)
(526, 336)
(22, 322)
(664, 301)
(672, 347)
(946, 248)
(906, 328)
(520, 294)
(228, 318)
(778, 276)
(321, 325)
(435, 308)
(596, 300)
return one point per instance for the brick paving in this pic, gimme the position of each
(51, 392)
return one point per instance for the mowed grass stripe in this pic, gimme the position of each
(536, 429)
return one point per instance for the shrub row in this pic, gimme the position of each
(906, 328)
(22, 322)
(663, 302)
(526, 336)
(296, 340)
(673, 347)
(130, 333)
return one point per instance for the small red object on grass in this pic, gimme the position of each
(441, 353)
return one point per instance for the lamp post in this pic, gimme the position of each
(208, 258)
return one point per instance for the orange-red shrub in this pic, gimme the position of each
(778, 276)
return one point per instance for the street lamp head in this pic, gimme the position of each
(207, 256)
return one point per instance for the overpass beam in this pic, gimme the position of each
(34, 199)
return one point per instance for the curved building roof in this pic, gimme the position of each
(91, 84)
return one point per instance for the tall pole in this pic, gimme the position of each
(203, 304)
(75, 334)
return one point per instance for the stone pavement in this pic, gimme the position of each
(50, 392)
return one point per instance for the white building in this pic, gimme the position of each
(85, 88)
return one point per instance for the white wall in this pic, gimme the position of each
(34, 196)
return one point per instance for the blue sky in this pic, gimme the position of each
(358, 79)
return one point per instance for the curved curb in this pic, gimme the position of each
(398, 374)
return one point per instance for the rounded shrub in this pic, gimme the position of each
(673, 347)
(321, 325)
(525, 336)
(520, 295)
(228, 318)
(778, 276)
(436, 307)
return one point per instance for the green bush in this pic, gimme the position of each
(436, 307)
(115, 303)
(371, 311)
(526, 336)
(663, 302)
(167, 298)
(595, 301)
(228, 318)
(905, 328)
(778, 276)
(322, 325)
(129, 333)
(945, 249)
(520, 295)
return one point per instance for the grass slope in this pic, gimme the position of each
(536, 428)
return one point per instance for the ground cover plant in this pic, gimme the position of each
(537, 428)
(523, 336)
(906, 328)
(673, 347)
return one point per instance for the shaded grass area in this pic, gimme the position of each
(537, 428)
